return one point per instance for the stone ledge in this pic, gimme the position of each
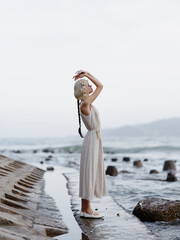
(117, 224)
(26, 211)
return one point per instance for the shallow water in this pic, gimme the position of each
(126, 189)
(55, 183)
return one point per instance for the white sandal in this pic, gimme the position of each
(87, 215)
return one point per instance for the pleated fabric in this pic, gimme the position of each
(92, 179)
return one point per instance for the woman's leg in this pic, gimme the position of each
(86, 207)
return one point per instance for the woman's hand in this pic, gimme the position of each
(80, 74)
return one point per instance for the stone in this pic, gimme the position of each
(153, 171)
(41, 162)
(145, 160)
(72, 163)
(157, 209)
(126, 159)
(124, 171)
(137, 163)
(46, 150)
(112, 171)
(114, 159)
(16, 151)
(50, 168)
(171, 177)
(169, 165)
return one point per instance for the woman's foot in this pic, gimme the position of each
(91, 214)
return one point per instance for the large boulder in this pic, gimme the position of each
(157, 209)
(112, 171)
(169, 165)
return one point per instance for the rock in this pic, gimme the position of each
(153, 171)
(126, 159)
(41, 162)
(145, 160)
(124, 171)
(16, 151)
(46, 150)
(50, 156)
(48, 159)
(112, 171)
(169, 165)
(50, 168)
(137, 163)
(157, 209)
(171, 177)
(72, 163)
(114, 159)
(35, 151)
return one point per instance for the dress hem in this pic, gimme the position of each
(95, 196)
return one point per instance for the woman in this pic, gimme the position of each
(92, 175)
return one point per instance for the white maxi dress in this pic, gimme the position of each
(92, 179)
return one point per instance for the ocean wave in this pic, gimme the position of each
(142, 149)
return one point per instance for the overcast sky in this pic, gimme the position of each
(131, 46)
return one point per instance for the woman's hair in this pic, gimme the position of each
(79, 117)
(81, 92)
(81, 89)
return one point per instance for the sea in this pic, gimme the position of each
(127, 189)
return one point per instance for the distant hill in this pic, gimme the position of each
(164, 127)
